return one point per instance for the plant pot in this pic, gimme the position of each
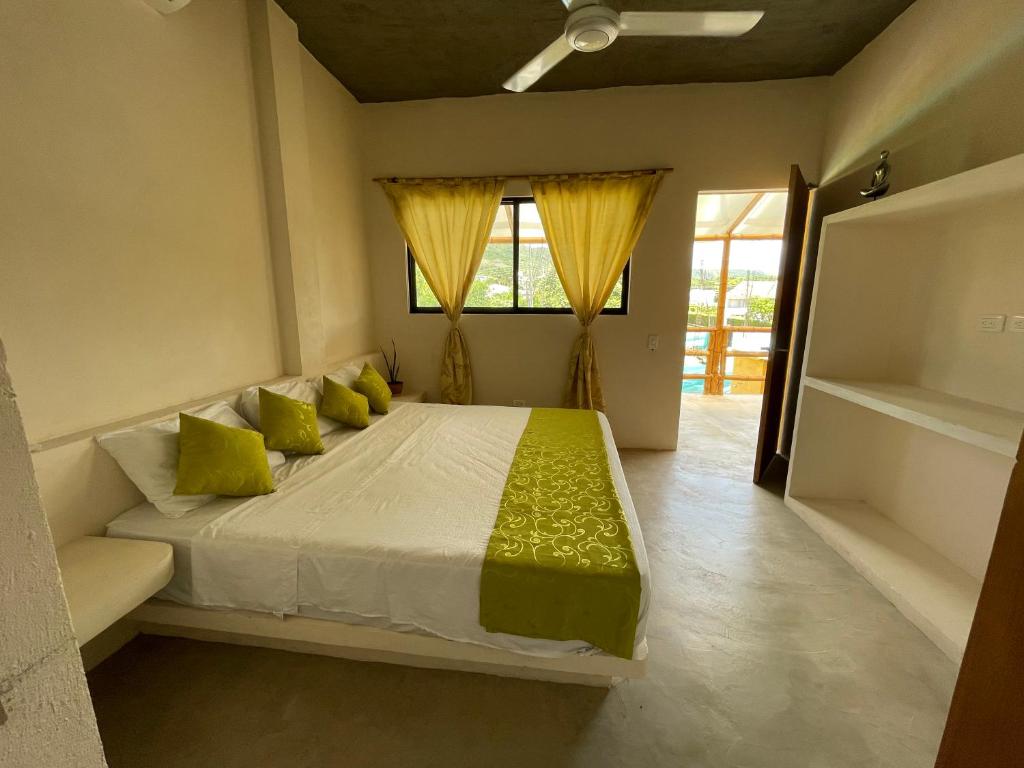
(396, 387)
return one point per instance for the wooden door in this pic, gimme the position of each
(782, 324)
(985, 726)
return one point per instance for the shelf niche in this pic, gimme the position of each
(909, 417)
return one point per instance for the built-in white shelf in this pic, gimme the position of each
(979, 424)
(935, 594)
(899, 287)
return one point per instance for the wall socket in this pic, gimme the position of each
(1017, 323)
(992, 323)
(518, 403)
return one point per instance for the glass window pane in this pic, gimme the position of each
(539, 286)
(492, 286)
(424, 296)
(704, 280)
(753, 279)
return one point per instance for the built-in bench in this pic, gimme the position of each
(104, 579)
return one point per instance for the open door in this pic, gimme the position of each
(782, 326)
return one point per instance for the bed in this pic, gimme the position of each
(374, 550)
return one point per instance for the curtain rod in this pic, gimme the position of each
(526, 177)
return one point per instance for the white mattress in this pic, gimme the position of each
(389, 527)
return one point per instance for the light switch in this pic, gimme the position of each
(652, 343)
(1017, 323)
(992, 323)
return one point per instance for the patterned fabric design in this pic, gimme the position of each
(372, 384)
(342, 404)
(226, 461)
(289, 425)
(560, 563)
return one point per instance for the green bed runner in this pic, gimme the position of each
(560, 564)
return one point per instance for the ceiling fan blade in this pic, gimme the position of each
(539, 65)
(688, 23)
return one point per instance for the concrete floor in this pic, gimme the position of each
(766, 649)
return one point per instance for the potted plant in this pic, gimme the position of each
(394, 384)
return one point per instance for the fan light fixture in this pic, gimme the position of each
(592, 27)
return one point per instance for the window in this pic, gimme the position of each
(516, 273)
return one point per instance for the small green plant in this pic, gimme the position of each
(392, 364)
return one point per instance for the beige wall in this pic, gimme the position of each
(135, 267)
(332, 122)
(46, 718)
(165, 233)
(942, 88)
(735, 136)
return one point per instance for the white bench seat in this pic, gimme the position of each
(105, 578)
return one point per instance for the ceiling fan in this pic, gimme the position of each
(592, 27)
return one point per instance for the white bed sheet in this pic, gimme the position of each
(389, 528)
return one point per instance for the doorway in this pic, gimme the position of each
(737, 252)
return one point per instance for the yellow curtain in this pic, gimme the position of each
(592, 223)
(446, 223)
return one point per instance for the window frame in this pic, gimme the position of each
(515, 309)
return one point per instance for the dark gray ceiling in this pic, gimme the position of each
(392, 50)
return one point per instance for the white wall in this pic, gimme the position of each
(46, 717)
(942, 88)
(135, 270)
(721, 136)
(332, 122)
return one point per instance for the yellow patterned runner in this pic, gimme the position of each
(560, 563)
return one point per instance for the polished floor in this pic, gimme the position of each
(766, 650)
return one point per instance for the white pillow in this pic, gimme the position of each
(346, 375)
(149, 456)
(296, 390)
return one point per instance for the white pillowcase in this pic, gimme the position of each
(149, 456)
(296, 390)
(346, 375)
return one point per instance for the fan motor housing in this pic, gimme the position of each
(592, 28)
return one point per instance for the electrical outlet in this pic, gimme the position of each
(519, 403)
(652, 342)
(992, 323)
(1017, 323)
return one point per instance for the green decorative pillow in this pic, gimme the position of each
(289, 425)
(372, 384)
(227, 461)
(342, 404)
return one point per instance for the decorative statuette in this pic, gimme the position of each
(879, 179)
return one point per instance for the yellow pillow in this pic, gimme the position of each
(289, 425)
(372, 384)
(214, 458)
(342, 404)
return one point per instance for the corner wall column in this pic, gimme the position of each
(288, 191)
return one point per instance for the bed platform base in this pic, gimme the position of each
(323, 637)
